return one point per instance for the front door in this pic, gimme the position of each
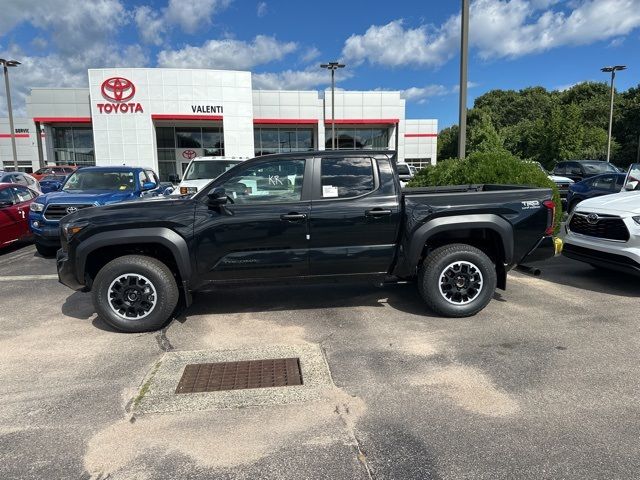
(23, 197)
(9, 217)
(262, 231)
(354, 216)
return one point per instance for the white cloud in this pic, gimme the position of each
(310, 55)
(420, 94)
(498, 29)
(151, 24)
(261, 9)
(227, 54)
(295, 79)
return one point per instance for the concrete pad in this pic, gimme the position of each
(157, 393)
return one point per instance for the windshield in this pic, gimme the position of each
(593, 168)
(403, 169)
(208, 169)
(100, 180)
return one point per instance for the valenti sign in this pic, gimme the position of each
(119, 92)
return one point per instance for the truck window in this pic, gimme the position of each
(346, 177)
(277, 181)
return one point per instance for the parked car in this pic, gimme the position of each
(304, 216)
(54, 170)
(578, 170)
(52, 183)
(605, 231)
(201, 171)
(87, 187)
(20, 178)
(594, 187)
(404, 173)
(563, 183)
(14, 212)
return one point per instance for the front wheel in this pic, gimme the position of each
(457, 280)
(135, 293)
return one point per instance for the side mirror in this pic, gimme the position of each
(217, 197)
(57, 186)
(148, 186)
(631, 185)
(6, 203)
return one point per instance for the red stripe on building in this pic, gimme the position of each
(288, 121)
(17, 135)
(410, 135)
(363, 121)
(213, 118)
(62, 119)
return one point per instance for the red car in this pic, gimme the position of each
(54, 170)
(14, 212)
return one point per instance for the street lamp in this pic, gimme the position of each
(6, 64)
(613, 71)
(333, 66)
(464, 56)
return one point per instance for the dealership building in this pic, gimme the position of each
(161, 118)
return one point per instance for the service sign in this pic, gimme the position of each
(119, 93)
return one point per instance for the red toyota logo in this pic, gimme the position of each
(118, 89)
(189, 154)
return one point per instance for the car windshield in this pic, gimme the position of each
(100, 180)
(593, 168)
(208, 169)
(403, 169)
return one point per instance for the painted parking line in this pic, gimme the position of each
(18, 278)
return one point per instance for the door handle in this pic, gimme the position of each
(377, 212)
(293, 217)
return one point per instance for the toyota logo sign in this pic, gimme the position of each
(189, 154)
(72, 210)
(118, 89)
(592, 218)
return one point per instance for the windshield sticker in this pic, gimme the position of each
(329, 191)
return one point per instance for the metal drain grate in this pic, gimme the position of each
(213, 377)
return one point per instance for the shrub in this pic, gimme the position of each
(499, 167)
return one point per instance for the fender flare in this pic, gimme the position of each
(442, 224)
(160, 235)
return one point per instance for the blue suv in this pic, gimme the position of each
(88, 187)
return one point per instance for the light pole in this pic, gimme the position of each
(464, 55)
(333, 66)
(613, 71)
(6, 64)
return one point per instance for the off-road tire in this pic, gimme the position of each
(153, 270)
(45, 250)
(435, 265)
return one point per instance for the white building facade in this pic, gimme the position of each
(161, 118)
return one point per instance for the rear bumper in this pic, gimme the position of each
(66, 271)
(613, 261)
(544, 250)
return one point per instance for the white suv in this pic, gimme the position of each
(201, 171)
(605, 231)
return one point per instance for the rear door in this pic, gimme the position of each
(262, 231)
(9, 217)
(355, 215)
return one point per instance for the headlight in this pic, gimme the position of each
(637, 219)
(70, 229)
(36, 207)
(188, 190)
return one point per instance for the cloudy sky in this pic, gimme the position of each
(411, 46)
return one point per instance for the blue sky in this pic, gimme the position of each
(411, 46)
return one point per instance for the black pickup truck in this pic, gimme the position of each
(312, 215)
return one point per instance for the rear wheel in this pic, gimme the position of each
(46, 250)
(457, 280)
(135, 293)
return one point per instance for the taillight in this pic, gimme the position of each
(551, 215)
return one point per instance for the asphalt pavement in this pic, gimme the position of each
(542, 384)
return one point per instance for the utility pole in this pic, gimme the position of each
(6, 64)
(464, 57)
(613, 71)
(333, 66)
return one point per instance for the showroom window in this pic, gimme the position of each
(209, 139)
(419, 162)
(280, 140)
(359, 138)
(73, 146)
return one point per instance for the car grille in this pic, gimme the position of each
(605, 226)
(57, 211)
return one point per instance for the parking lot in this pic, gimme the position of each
(541, 384)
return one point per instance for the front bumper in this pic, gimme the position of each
(599, 258)
(544, 250)
(66, 271)
(46, 232)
